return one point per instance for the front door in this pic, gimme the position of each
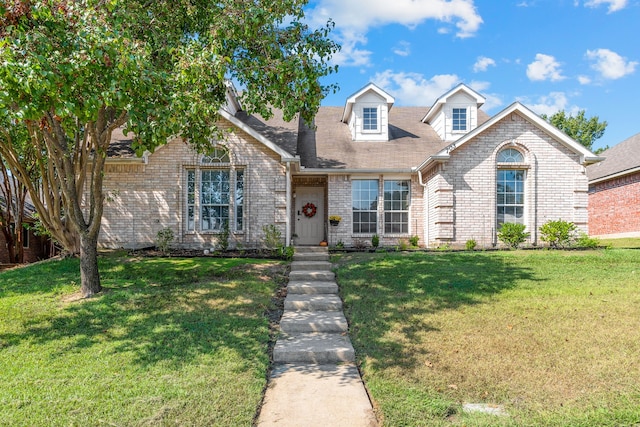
(309, 215)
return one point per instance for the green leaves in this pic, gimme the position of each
(578, 127)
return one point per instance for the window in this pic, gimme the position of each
(370, 119)
(364, 195)
(510, 188)
(209, 194)
(25, 237)
(459, 119)
(396, 206)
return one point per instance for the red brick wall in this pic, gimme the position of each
(38, 249)
(614, 206)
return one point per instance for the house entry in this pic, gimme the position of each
(309, 215)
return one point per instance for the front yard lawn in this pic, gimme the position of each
(552, 336)
(171, 342)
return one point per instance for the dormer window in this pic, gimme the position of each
(370, 121)
(459, 119)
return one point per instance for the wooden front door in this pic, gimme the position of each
(310, 229)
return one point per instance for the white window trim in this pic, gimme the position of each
(408, 210)
(466, 129)
(378, 129)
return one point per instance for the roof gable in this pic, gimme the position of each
(586, 156)
(442, 100)
(351, 100)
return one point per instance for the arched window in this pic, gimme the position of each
(219, 154)
(215, 193)
(510, 195)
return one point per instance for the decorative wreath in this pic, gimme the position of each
(309, 210)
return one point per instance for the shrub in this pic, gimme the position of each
(559, 234)
(584, 241)
(444, 247)
(223, 238)
(471, 244)
(375, 241)
(272, 239)
(340, 244)
(512, 234)
(403, 244)
(164, 238)
(414, 240)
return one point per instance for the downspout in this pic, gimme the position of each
(425, 217)
(289, 210)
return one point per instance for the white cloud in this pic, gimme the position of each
(350, 54)
(609, 64)
(551, 104)
(492, 100)
(483, 63)
(403, 48)
(614, 5)
(414, 88)
(354, 18)
(584, 80)
(545, 67)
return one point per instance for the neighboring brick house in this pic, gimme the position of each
(614, 191)
(35, 247)
(447, 174)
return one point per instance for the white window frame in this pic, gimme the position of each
(216, 161)
(453, 119)
(376, 109)
(394, 207)
(511, 159)
(355, 200)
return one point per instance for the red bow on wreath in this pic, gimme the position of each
(309, 210)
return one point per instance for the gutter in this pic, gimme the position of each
(321, 171)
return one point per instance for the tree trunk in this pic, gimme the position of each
(89, 275)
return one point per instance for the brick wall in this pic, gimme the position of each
(37, 250)
(614, 206)
(555, 186)
(142, 199)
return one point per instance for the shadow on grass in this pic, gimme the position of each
(158, 310)
(388, 298)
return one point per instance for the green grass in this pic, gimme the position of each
(170, 342)
(627, 242)
(552, 336)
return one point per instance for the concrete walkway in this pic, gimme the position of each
(315, 381)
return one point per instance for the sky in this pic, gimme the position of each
(550, 55)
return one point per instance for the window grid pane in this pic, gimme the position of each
(214, 199)
(396, 206)
(191, 199)
(459, 119)
(510, 196)
(365, 206)
(239, 201)
(369, 118)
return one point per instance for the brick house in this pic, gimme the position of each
(35, 247)
(447, 174)
(614, 191)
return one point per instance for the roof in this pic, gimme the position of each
(621, 159)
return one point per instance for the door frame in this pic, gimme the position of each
(319, 181)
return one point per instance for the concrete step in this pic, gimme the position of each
(310, 266)
(312, 287)
(310, 302)
(311, 249)
(293, 322)
(319, 348)
(321, 276)
(311, 256)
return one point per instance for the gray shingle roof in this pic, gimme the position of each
(619, 158)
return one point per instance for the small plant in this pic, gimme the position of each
(559, 234)
(414, 241)
(340, 244)
(272, 239)
(375, 241)
(403, 245)
(444, 247)
(471, 244)
(286, 252)
(513, 234)
(223, 238)
(164, 238)
(584, 241)
(359, 244)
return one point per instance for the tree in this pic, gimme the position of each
(74, 71)
(578, 127)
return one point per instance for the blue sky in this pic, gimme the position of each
(550, 55)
